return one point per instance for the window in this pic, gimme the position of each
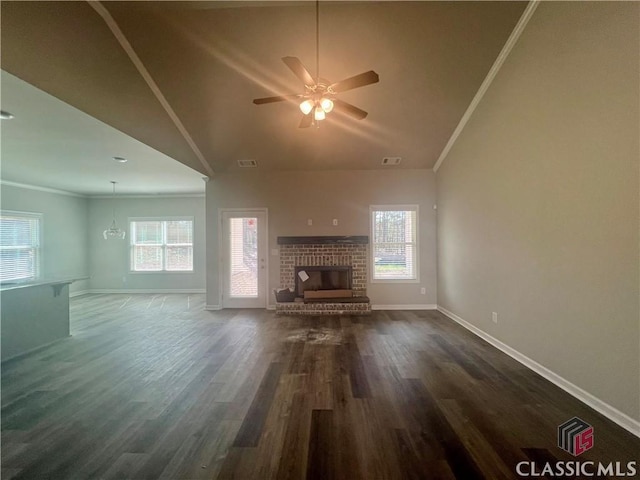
(394, 249)
(19, 246)
(161, 245)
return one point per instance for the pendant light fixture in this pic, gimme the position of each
(113, 231)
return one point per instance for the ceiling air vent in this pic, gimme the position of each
(391, 160)
(247, 163)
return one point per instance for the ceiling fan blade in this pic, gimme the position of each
(349, 109)
(279, 98)
(298, 69)
(366, 78)
(306, 121)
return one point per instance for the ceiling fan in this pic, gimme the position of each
(320, 96)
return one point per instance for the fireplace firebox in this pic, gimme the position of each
(335, 277)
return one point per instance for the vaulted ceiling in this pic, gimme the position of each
(180, 76)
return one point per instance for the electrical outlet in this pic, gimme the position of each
(423, 291)
(494, 317)
(335, 222)
(309, 222)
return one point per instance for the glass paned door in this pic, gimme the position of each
(244, 259)
(243, 280)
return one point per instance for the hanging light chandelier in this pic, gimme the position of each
(113, 231)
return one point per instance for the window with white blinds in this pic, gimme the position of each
(19, 246)
(394, 242)
(159, 245)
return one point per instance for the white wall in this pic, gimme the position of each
(64, 230)
(294, 197)
(109, 259)
(538, 201)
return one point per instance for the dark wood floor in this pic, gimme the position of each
(156, 387)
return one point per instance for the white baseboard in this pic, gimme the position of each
(423, 306)
(145, 290)
(220, 307)
(373, 307)
(78, 293)
(612, 413)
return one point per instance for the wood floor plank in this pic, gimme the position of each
(295, 448)
(126, 466)
(251, 428)
(154, 386)
(269, 451)
(478, 446)
(320, 461)
(359, 383)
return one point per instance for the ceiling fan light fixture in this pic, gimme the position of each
(326, 104)
(306, 106)
(318, 97)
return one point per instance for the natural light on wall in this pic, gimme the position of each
(161, 245)
(394, 231)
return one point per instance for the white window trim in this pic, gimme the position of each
(161, 272)
(39, 250)
(377, 208)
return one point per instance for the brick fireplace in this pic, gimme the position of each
(320, 254)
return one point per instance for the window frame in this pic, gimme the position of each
(38, 216)
(404, 207)
(163, 245)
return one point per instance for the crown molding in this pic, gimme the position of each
(504, 53)
(78, 195)
(41, 189)
(150, 195)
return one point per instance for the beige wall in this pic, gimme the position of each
(294, 197)
(538, 213)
